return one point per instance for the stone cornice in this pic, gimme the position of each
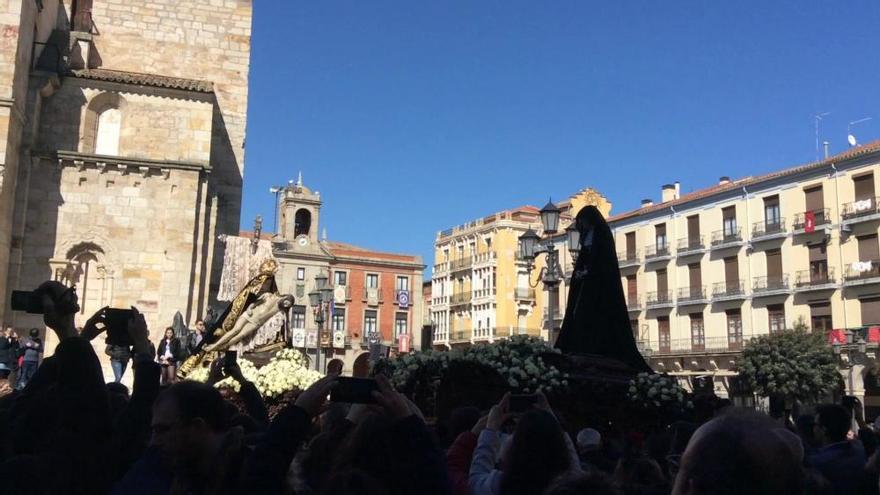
(375, 262)
(125, 165)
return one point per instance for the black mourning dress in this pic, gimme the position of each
(596, 319)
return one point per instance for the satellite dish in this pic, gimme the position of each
(852, 140)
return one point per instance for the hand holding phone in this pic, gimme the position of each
(354, 390)
(522, 402)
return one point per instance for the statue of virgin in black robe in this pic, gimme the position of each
(596, 319)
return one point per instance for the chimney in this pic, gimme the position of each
(825, 144)
(667, 193)
(677, 189)
(723, 180)
(647, 202)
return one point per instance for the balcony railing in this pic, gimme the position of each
(484, 292)
(627, 258)
(461, 264)
(633, 303)
(440, 336)
(810, 279)
(440, 300)
(821, 217)
(484, 333)
(726, 237)
(775, 284)
(657, 252)
(441, 267)
(484, 257)
(733, 343)
(534, 332)
(658, 299)
(861, 272)
(858, 210)
(522, 294)
(692, 295)
(691, 245)
(459, 336)
(460, 298)
(729, 290)
(774, 228)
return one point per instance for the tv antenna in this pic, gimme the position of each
(850, 137)
(818, 118)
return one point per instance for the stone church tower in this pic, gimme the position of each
(122, 153)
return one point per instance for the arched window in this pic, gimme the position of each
(302, 223)
(109, 123)
(87, 271)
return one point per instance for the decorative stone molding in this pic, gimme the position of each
(144, 166)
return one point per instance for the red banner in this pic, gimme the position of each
(403, 343)
(809, 222)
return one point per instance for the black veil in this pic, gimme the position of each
(596, 318)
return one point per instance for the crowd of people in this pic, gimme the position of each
(66, 431)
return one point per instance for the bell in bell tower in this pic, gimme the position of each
(300, 212)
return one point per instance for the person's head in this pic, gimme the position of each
(9, 332)
(581, 483)
(832, 423)
(537, 454)
(200, 326)
(588, 440)
(738, 453)
(188, 420)
(169, 333)
(34, 333)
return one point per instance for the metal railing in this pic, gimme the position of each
(534, 332)
(729, 289)
(657, 251)
(810, 278)
(726, 236)
(460, 298)
(768, 228)
(461, 263)
(732, 343)
(484, 333)
(821, 216)
(658, 298)
(861, 208)
(690, 244)
(484, 257)
(459, 336)
(524, 293)
(691, 294)
(769, 284)
(862, 270)
(627, 257)
(484, 292)
(633, 303)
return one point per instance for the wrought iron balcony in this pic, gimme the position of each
(460, 298)
(524, 294)
(821, 217)
(729, 291)
(860, 211)
(657, 252)
(769, 286)
(807, 280)
(727, 238)
(769, 230)
(862, 273)
(461, 264)
(627, 259)
(659, 299)
(633, 303)
(691, 245)
(705, 345)
(692, 295)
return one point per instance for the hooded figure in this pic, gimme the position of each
(596, 319)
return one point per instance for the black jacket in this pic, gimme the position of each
(175, 349)
(9, 352)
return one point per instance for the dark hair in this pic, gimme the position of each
(581, 483)
(200, 321)
(739, 453)
(835, 419)
(34, 333)
(166, 331)
(537, 454)
(197, 400)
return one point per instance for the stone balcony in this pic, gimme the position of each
(524, 294)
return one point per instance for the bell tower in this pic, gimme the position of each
(300, 214)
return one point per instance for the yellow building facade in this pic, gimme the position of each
(706, 271)
(480, 290)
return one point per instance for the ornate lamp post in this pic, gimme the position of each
(531, 245)
(320, 299)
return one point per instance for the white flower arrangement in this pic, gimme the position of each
(287, 370)
(517, 359)
(655, 391)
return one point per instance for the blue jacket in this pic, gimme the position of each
(842, 464)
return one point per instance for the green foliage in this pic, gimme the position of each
(792, 363)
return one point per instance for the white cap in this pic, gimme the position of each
(588, 438)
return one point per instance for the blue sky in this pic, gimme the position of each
(411, 117)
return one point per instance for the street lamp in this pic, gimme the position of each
(319, 299)
(531, 246)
